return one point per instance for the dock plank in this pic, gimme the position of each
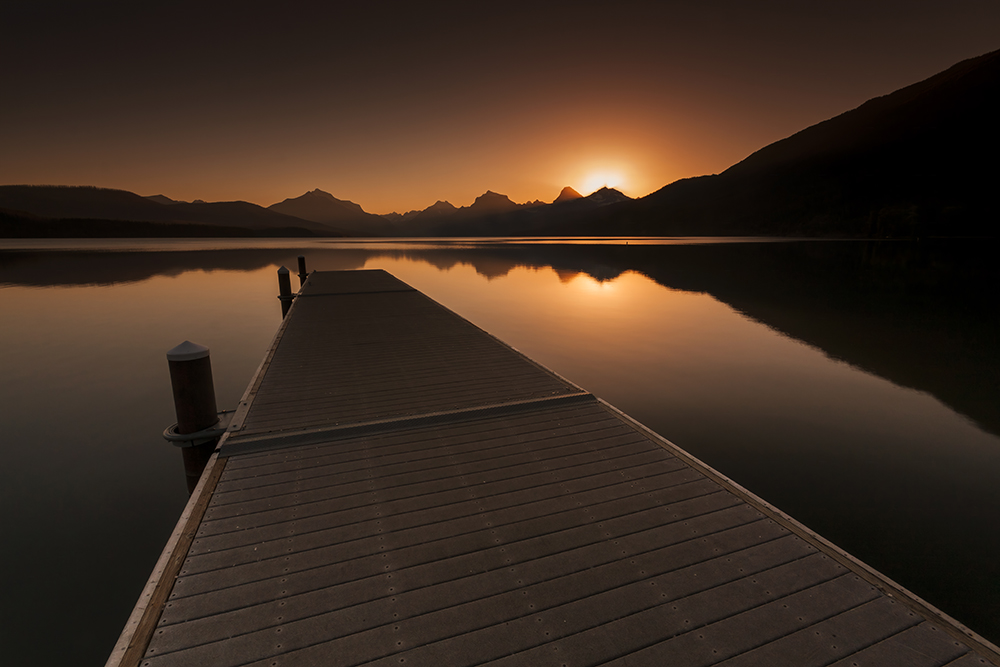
(531, 538)
(510, 493)
(833, 638)
(421, 529)
(764, 546)
(968, 660)
(923, 645)
(504, 511)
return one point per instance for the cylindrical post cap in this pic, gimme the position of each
(187, 351)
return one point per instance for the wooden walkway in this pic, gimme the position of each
(400, 488)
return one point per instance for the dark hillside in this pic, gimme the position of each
(63, 203)
(14, 224)
(919, 162)
(59, 201)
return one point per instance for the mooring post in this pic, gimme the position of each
(194, 403)
(285, 290)
(302, 270)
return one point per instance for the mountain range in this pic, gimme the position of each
(918, 162)
(83, 211)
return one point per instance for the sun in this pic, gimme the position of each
(600, 179)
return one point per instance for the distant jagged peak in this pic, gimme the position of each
(316, 195)
(441, 206)
(320, 193)
(437, 209)
(320, 206)
(489, 195)
(567, 194)
(607, 195)
(492, 201)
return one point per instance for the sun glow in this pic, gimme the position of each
(600, 179)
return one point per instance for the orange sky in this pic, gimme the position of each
(395, 105)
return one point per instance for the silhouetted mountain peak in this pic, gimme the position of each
(441, 206)
(492, 202)
(567, 194)
(435, 210)
(606, 196)
(163, 199)
(320, 206)
(342, 215)
(317, 193)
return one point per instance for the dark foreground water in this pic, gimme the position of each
(854, 385)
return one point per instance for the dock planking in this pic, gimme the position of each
(399, 487)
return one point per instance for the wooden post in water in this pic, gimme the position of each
(302, 271)
(194, 403)
(284, 290)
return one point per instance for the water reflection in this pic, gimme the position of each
(747, 355)
(921, 315)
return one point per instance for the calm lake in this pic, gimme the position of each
(855, 385)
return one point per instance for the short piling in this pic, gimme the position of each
(302, 270)
(194, 403)
(285, 290)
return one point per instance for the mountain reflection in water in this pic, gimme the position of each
(922, 315)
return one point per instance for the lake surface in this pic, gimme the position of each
(854, 385)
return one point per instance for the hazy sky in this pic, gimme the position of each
(394, 105)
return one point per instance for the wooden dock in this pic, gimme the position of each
(398, 487)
